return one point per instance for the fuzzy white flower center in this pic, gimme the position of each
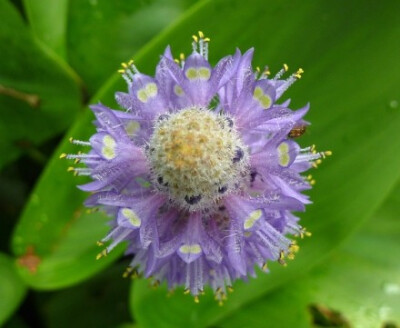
(196, 157)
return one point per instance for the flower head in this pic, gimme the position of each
(201, 172)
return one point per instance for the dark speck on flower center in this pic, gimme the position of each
(191, 200)
(238, 155)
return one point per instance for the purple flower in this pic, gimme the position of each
(201, 173)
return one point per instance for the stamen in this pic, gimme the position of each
(79, 142)
(182, 59)
(103, 253)
(281, 259)
(128, 72)
(118, 239)
(128, 271)
(79, 171)
(200, 44)
(265, 73)
(79, 156)
(288, 83)
(113, 232)
(281, 72)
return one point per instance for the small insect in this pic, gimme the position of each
(297, 131)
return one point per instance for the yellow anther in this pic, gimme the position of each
(195, 38)
(258, 69)
(102, 254)
(207, 39)
(70, 169)
(182, 56)
(309, 177)
(196, 299)
(130, 63)
(186, 291)
(294, 248)
(201, 34)
(76, 161)
(290, 256)
(230, 289)
(281, 259)
(135, 274)
(220, 303)
(63, 155)
(124, 65)
(298, 73)
(318, 161)
(328, 153)
(265, 266)
(312, 182)
(71, 139)
(121, 71)
(267, 72)
(127, 272)
(99, 243)
(285, 67)
(304, 232)
(176, 60)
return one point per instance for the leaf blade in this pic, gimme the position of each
(12, 289)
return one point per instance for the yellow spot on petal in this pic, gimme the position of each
(178, 90)
(283, 151)
(258, 92)
(108, 150)
(191, 73)
(204, 73)
(142, 95)
(264, 99)
(131, 216)
(132, 127)
(151, 90)
(252, 218)
(190, 249)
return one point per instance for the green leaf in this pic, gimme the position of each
(12, 289)
(354, 113)
(63, 247)
(361, 281)
(39, 95)
(48, 21)
(103, 33)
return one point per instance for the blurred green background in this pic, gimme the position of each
(58, 56)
